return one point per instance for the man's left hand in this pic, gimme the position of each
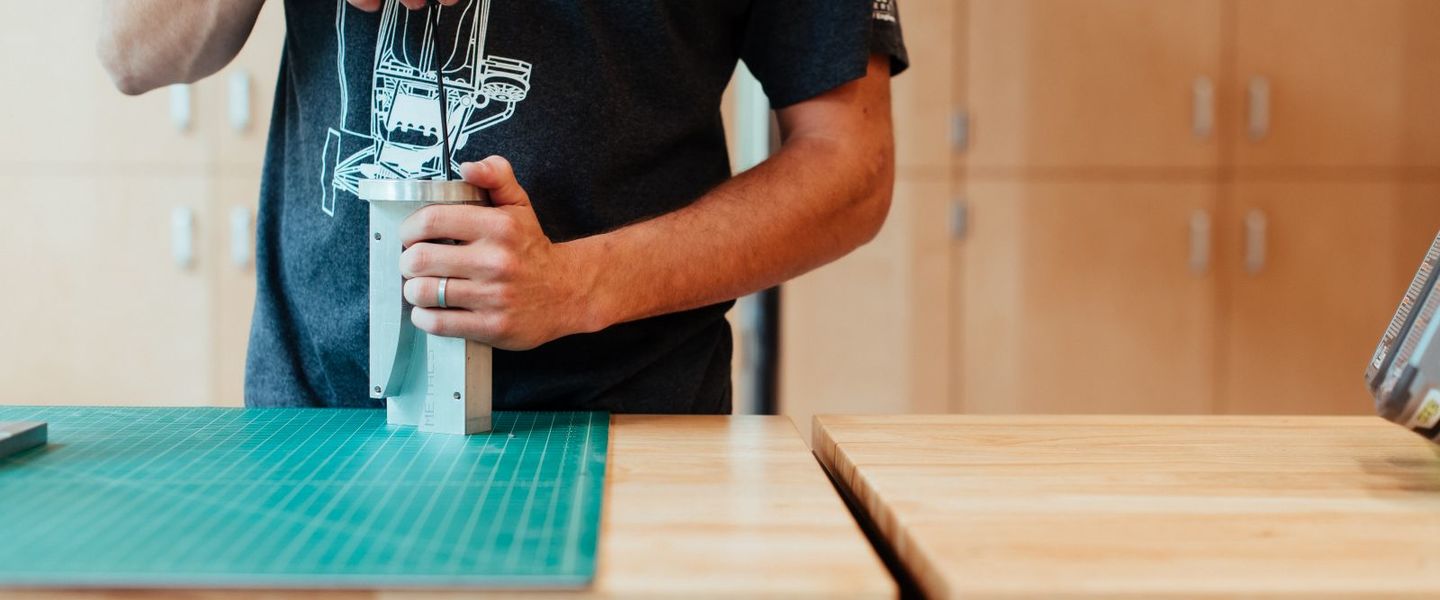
(508, 286)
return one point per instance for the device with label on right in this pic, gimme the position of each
(1404, 374)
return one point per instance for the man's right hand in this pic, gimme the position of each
(374, 5)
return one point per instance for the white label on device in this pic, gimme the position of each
(1429, 412)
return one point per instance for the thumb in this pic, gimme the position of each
(495, 175)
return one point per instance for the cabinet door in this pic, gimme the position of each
(231, 245)
(867, 333)
(239, 156)
(61, 108)
(1100, 83)
(1086, 298)
(247, 86)
(1313, 273)
(921, 99)
(97, 310)
(1351, 83)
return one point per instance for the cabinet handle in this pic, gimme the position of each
(182, 237)
(1255, 233)
(960, 131)
(239, 101)
(241, 227)
(1199, 241)
(1259, 108)
(180, 108)
(959, 219)
(1202, 106)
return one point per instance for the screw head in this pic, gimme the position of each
(377, 236)
(377, 389)
(457, 395)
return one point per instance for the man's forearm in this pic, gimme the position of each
(146, 44)
(817, 199)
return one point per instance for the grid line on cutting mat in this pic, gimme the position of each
(201, 497)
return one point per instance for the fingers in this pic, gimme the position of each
(496, 175)
(433, 260)
(374, 5)
(467, 262)
(462, 223)
(483, 326)
(366, 5)
(424, 292)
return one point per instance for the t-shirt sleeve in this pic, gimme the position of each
(799, 49)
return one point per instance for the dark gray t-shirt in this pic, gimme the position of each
(610, 114)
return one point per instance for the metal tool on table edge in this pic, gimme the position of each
(1404, 373)
(436, 383)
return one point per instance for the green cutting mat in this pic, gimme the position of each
(217, 497)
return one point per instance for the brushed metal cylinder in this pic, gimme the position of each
(428, 191)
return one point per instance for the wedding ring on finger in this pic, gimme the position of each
(440, 292)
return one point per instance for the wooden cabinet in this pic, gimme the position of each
(1091, 84)
(1086, 297)
(868, 333)
(1314, 271)
(99, 311)
(1335, 83)
(249, 79)
(1087, 160)
(240, 155)
(231, 251)
(100, 191)
(62, 110)
(921, 99)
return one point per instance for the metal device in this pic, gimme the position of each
(1404, 373)
(18, 436)
(439, 384)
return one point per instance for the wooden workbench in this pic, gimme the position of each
(1035, 506)
(696, 506)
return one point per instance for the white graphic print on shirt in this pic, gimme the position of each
(403, 136)
(884, 10)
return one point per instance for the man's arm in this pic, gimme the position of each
(146, 44)
(826, 192)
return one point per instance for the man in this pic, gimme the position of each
(618, 238)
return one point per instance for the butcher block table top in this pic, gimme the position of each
(1043, 506)
(695, 507)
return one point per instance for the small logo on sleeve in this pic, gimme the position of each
(884, 10)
